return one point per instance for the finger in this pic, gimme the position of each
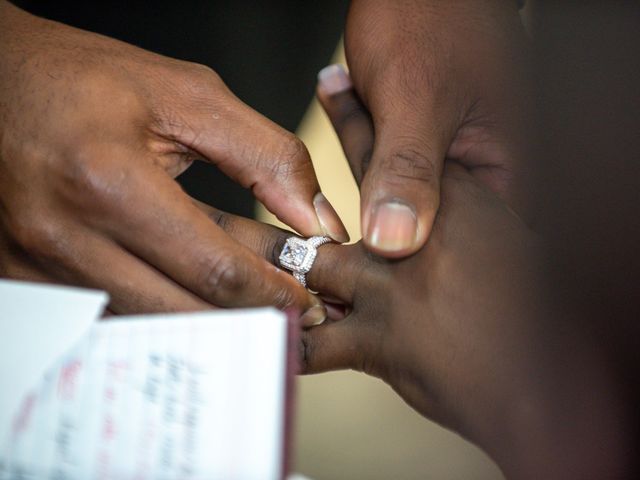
(333, 346)
(400, 196)
(265, 240)
(262, 156)
(134, 286)
(24, 271)
(337, 270)
(154, 219)
(71, 255)
(349, 117)
(268, 242)
(400, 191)
(86, 259)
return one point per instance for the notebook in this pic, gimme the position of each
(182, 396)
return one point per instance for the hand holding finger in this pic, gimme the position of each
(102, 208)
(268, 241)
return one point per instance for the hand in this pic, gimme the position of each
(441, 79)
(465, 331)
(92, 132)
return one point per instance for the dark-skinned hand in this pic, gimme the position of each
(464, 330)
(93, 132)
(441, 79)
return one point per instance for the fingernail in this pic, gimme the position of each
(334, 79)
(392, 227)
(314, 316)
(329, 220)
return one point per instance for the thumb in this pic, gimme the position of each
(260, 155)
(397, 163)
(401, 186)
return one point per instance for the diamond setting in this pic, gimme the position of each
(297, 255)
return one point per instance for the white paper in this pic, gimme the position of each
(184, 396)
(38, 323)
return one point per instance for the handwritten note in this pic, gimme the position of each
(37, 323)
(193, 396)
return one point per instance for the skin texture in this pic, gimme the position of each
(468, 333)
(441, 79)
(92, 133)
(98, 129)
(466, 330)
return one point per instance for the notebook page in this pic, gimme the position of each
(28, 343)
(193, 396)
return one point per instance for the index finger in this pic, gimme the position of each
(259, 155)
(148, 214)
(336, 268)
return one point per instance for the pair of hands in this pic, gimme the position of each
(94, 131)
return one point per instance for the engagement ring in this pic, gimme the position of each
(299, 254)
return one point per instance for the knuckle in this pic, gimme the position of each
(311, 353)
(89, 180)
(410, 164)
(200, 81)
(220, 218)
(223, 278)
(205, 72)
(283, 297)
(307, 352)
(293, 150)
(194, 89)
(365, 161)
(38, 238)
(292, 158)
(347, 112)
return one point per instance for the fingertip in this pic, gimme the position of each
(314, 217)
(333, 79)
(329, 220)
(314, 316)
(392, 229)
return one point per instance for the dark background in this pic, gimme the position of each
(268, 53)
(588, 168)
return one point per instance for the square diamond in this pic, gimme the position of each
(297, 256)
